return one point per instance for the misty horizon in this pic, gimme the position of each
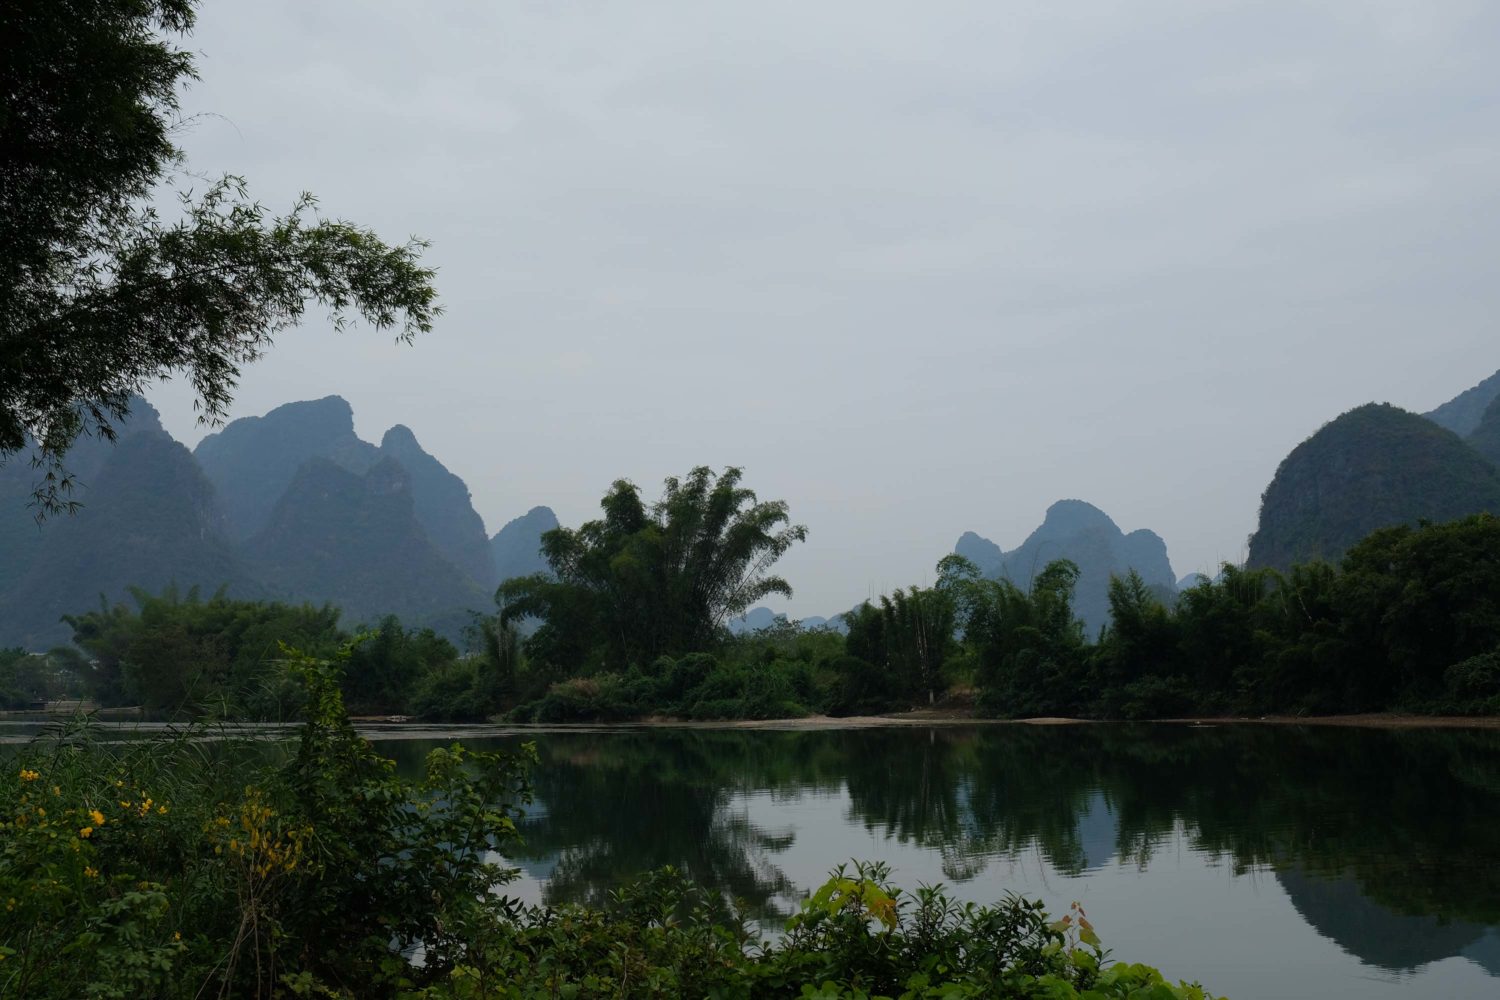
(917, 272)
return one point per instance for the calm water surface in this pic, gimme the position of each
(1262, 861)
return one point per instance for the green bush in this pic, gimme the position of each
(855, 937)
(185, 867)
(450, 693)
(1473, 685)
(188, 867)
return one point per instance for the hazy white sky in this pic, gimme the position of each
(919, 268)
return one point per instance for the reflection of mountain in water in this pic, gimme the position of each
(1337, 909)
(1098, 833)
(1385, 841)
(1485, 952)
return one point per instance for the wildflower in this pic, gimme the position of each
(90, 872)
(27, 775)
(40, 811)
(86, 832)
(97, 817)
(177, 935)
(161, 810)
(56, 792)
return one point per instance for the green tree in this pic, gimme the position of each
(908, 637)
(178, 654)
(385, 665)
(1415, 601)
(99, 293)
(646, 581)
(1030, 645)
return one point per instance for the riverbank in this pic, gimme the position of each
(959, 717)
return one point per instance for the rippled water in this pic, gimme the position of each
(1262, 861)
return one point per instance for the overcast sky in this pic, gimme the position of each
(920, 268)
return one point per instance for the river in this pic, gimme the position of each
(1262, 861)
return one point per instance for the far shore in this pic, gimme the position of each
(384, 728)
(960, 717)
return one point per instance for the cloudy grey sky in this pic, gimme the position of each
(918, 267)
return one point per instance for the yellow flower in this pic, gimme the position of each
(29, 775)
(161, 810)
(40, 811)
(86, 832)
(56, 792)
(177, 935)
(97, 817)
(90, 872)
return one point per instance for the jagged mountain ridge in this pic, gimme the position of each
(1463, 413)
(1372, 467)
(253, 461)
(354, 541)
(153, 516)
(443, 507)
(1081, 532)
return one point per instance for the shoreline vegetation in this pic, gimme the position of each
(171, 868)
(1405, 627)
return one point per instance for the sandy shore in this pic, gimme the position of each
(18, 731)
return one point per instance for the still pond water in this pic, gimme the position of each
(1265, 862)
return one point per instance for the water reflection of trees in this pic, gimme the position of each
(1407, 822)
(620, 804)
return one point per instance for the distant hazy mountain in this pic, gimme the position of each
(1083, 533)
(1375, 466)
(758, 618)
(1462, 413)
(754, 620)
(1190, 581)
(149, 519)
(354, 540)
(253, 460)
(1486, 437)
(443, 507)
(516, 549)
(983, 553)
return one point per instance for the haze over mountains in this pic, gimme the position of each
(295, 506)
(1081, 532)
(290, 506)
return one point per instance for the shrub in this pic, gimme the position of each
(1473, 685)
(855, 937)
(182, 868)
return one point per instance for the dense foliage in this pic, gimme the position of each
(185, 868)
(99, 294)
(180, 655)
(658, 580)
(1409, 620)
